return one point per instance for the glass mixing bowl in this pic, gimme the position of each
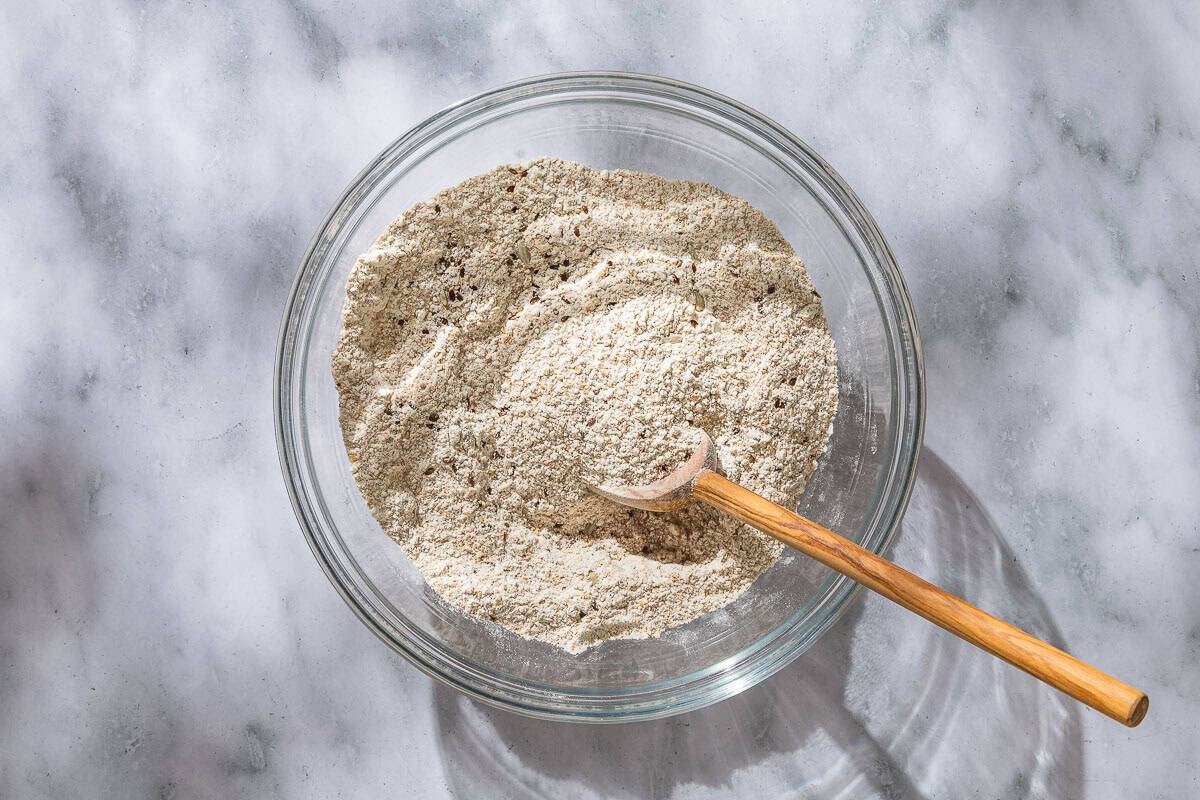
(859, 489)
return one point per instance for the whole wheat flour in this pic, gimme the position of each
(547, 324)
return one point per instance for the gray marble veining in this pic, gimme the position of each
(164, 631)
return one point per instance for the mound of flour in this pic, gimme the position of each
(547, 324)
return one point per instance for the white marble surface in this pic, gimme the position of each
(164, 630)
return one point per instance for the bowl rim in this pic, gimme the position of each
(714, 682)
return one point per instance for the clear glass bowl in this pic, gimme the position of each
(860, 488)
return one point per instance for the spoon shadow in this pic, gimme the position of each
(884, 705)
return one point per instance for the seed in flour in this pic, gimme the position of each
(476, 417)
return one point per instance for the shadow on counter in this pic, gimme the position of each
(884, 705)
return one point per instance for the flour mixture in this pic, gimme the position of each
(545, 325)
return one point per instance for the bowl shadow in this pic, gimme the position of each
(884, 705)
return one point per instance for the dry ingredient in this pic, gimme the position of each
(547, 324)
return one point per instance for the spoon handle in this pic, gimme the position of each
(1045, 662)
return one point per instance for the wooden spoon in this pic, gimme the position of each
(697, 479)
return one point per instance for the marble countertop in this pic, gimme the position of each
(165, 631)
